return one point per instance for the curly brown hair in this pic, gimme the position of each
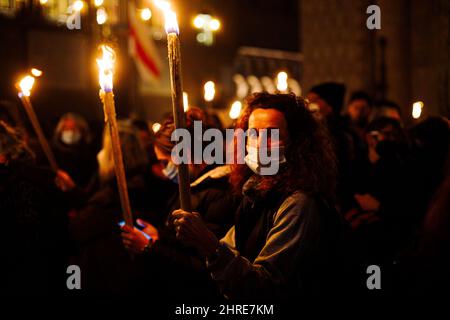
(311, 160)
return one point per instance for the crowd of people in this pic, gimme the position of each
(355, 188)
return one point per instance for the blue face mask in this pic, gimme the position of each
(171, 172)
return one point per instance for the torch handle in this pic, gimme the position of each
(179, 116)
(39, 133)
(118, 158)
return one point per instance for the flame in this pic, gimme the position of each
(106, 68)
(170, 17)
(26, 84)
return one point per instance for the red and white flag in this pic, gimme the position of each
(142, 48)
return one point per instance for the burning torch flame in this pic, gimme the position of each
(26, 84)
(170, 17)
(106, 68)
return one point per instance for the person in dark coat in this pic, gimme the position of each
(287, 237)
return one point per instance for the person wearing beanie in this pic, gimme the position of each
(327, 98)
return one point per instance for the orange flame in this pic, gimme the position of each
(26, 84)
(170, 17)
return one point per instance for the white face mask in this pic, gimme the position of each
(70, 136)
(171, 172)
(265, 161)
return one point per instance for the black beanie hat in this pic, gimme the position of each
(333, 93)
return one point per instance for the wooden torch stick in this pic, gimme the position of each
(106, 66)
(179, 116)
(119, 168)
(26, 102)
(173, 45)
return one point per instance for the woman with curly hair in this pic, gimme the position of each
(287, 237)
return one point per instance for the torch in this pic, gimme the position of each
(174, 55)
(24, 86)
(106, 68)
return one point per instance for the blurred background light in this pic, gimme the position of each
(209, 91)
(235, 110)
(146, 14)
(282, 81)
(78, 5)
(102, 16)
(36, 72)
(417, 109)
